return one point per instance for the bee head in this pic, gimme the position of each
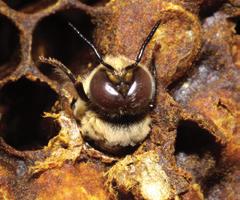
(118, 86)
(122, 90)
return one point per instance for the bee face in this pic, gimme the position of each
(124, 91)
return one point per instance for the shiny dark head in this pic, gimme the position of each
(128, 93)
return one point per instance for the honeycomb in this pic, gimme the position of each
(193, 149)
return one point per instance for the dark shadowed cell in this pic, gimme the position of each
(95, 2)
(53, 37)
(22, 106)
(29, 6)
(10, 48)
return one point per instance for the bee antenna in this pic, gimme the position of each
(58, 65)
(145, 43)
(99, 57)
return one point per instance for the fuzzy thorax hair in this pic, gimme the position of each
(111, 135)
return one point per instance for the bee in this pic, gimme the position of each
(115, 98)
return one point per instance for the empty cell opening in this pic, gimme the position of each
(53, 37)
(22, 104)
(197, 151)
(10, 47)
(95, 2)
(29, 6)
(208, 8)
(237, 27)
(192, 139)
(236, 21)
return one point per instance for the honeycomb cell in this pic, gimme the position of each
(236, 20)
(192, 139)
(53, 37)
(22, 104)
(197, 152)
(29, 6)
(209, 7)
(10, 47)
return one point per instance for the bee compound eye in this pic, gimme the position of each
(142, 89)
(124, 96)
(103, 92)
